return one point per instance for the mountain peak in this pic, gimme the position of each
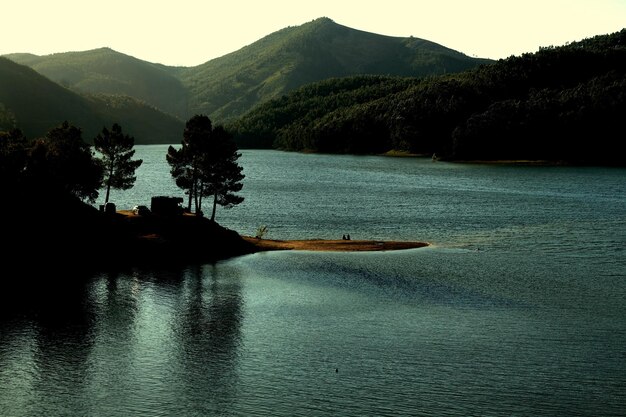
(321, 21)
(229, 86)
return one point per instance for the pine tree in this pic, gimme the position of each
(206, 165)
(117, 152)
(221, 174)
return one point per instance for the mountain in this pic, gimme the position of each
(229, 86)
(146, 123)
(558, 104)
(268, 124)
(35, 104)
(105, 71)
(39, 104)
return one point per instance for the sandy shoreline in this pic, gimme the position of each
(150, 231)
(322, 245)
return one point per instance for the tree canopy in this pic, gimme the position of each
(117, 152)
(206, 165)
(63, 163)
(13, 157)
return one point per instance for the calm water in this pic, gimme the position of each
(518, 308)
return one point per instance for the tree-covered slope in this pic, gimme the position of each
(557, 104)
(227, 87)
(268, 124)
(146, 123)
(35, 104)
(105, 71)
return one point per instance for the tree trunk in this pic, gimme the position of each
(200, 192)
(195, 196)
(214, 206)
(192, 189)
(106, 199)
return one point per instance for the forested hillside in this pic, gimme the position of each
(229, 86)
(224, 88)
(560, 103)
(35, 104)
(146, 123)
(105, 71)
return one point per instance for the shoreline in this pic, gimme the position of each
(522, 162)
(325, 245)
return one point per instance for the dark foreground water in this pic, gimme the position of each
(518, 308)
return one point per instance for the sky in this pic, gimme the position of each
(190, 32)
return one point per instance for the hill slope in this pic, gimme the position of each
(35, 104)
(229, 86)
(105, 71)
(147, 124)
(39, 104)
(559, 104)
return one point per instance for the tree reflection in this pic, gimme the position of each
(210, 336)
(63, 323)
(157, 339)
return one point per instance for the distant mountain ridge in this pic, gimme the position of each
(105, 71)
(35, 104)
(559, 104)
(227, 87)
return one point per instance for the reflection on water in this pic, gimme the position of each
(139, 341)
(209, 337)
(517, 309)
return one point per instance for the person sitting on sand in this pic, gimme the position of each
(347, 237)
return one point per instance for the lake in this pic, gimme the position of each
(518, 307)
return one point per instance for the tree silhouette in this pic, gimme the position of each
(63, 163)
(221, 174)
(206, 165)
(185, 161)
(117, 153)
(13, 155)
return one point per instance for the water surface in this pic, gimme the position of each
(517, 309)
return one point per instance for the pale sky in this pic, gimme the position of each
(190, 32)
